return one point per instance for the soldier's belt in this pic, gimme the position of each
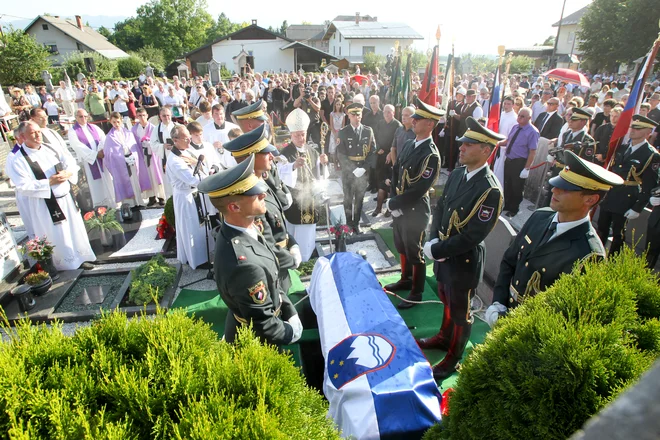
(630, 183)
(560, 165)
(356, 158)
(283, 244)
(239, 319)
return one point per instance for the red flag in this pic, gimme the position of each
(494, 111)
(429, 91)
(632, 106)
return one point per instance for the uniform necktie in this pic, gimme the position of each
(513, 139)
(628, 152)
(549, 233)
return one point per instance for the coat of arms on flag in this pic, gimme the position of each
(358, 355)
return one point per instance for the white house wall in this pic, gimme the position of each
(353, 47)
(267, 54)
(65, 44)
(335, 43)
(565, 43)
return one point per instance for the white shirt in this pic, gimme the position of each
(119, 105)
(175, 100)
(567, 226)
(634, 148)
(249, 231)
(507, 121)
(417, 143)
(65, 94)
(469, 175)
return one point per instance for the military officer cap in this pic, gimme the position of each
(478, 134)
(639, 121)
(354, 108)
(578, 175)
(580, 114)
(239, 180)
(252, 111)
(425, 111)
(251, 142)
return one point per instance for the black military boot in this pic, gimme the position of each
(418, 280)
(442, 340)
(450, 363)
(405, 282)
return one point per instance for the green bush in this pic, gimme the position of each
(163, 378)
(169, 212)
(106, 69)
(150, 281)
(561, 356)
(130, 67)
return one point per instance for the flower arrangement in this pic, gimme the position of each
(340, 231)
(164, 229)
(39, 248)
(34, 279)
(103, 219)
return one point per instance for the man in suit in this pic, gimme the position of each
(356, 155)
(549, 122)
(465, 214)
(554, 238)
(415, 172)
(246, 267)
(637, 163)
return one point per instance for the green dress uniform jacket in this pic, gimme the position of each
(529, 267)
(463, 217)
(355, 153)
(640, 174)
(247, 275)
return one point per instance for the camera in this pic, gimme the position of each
(308, 92)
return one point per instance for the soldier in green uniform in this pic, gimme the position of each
(271, 223)
(415, 172)
(637, 163)
(246, 266)
(575, 139)
(554, 238)
(465, 214)
(356, 155)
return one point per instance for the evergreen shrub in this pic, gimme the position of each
(130, 67)
(150, 280)
(561, 356)
(163, 378)
(169, 212)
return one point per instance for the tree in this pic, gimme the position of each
(152, 56)
(223, 26)
(177, 26)
(23, 58)
(372, 62)
(130, 67)
(284, 27)
(128, 34)
(550, 41)
(106, 69)
(521, 64)
(612, 31)
(107, 33)
(419, 59)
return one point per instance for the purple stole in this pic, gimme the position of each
(97, 166)
(145, 153)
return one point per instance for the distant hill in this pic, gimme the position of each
(95, 21)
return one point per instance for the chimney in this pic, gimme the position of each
(357, 18)
(79, 23)
(254, 22)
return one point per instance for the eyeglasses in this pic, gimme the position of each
(186, 139)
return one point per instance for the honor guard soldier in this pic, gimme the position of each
(272, 222)
(249, 118)
(637, 163)
(465, 214)
(554, 238)
(575, 139)
(356, 154)
(415, 172)
(246, 267)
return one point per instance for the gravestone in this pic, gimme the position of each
(11, 259)
(214, 71)
(92, 295)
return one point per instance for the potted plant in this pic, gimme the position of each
(341, 232)
(39, 281)
(41, 250)
(105, 221)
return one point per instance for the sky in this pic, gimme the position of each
(477, 26)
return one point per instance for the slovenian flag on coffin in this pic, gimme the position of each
(378, 382)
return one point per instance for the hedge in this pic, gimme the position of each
(561, 356)
(163, 378)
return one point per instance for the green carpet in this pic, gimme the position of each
(424, 320)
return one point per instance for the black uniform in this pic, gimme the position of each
(355, 151)
(463, 217)
(581, 144)
(414, 173)
(451, 131)
(247, 277)
(305, 208)
(532, 264)
(640, 173)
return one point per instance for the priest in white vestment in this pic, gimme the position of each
(161, 147)
(43, 175)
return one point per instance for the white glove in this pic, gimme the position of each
(130, 160)
(631, 215)
(295, 253)
(289, 201)
(524, 174)
(550, 159)
(452, 113)
(442, 133)
(359, 172)
(654, 201)
(297, 327)
(397, 213)
(427, 248)
(493, 313)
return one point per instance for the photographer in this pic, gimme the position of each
(310, 104)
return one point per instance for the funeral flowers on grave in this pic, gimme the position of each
(34, 279)
(103, 219)
(39, 248)
(340, 231)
